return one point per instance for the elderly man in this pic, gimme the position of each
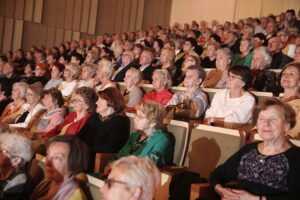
(279, 60)
(127, 58)
(232, 42)
(132, 178)
(146, 65)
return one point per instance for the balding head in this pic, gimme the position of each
(127, 57)
(274, 44)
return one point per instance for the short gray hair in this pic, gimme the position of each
(74, 69)
(137, 75)
(226, 51)
(106, 66)
(142, 173)
(18, 145)
(92, 68)
(249, 40)
(265, 54)
(22, 86)
(165, 75)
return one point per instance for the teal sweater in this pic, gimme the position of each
(245, 61)
(157, 147)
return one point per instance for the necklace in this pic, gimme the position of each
(262, 158)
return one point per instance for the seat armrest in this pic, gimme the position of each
(201, 191)
(100, 161)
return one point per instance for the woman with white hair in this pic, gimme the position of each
(30, 111)
(161, 81)
(87, 73)
(15, 152)
(132, 176)
(71, 74)
(18, 95)
(104, 74)
(264, 79)
(245, 57)
(133, 93)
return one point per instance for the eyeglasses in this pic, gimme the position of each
(5, 152)
(140, 117)
(77, 101)
(190, 60)
(233, 76)
(109, 182)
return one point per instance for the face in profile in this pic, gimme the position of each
(117, 187)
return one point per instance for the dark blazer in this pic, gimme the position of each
(147, 73)
(279, 60)
(121, 74)
(107, 136)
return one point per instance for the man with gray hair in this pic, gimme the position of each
(127, 58)
(133, 178)
(279, 60)
(15, 152)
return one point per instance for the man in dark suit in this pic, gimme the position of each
(9, 77)
(279, 60)
(127, 58)
(145, 65)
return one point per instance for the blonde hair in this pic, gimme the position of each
(74, 68)
(22, 86)
(154, 112)
(165, 75)
(137, 75)
(171, 53)
(106, 66)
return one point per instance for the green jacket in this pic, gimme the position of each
(157, 147)
(245, 61)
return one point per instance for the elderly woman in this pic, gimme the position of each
(54, 115)
(290, 81)
(267, 169)
(56, 76)
(133, 94)
(209, 60)
(167, 59)
(18, 95)
(68, 86)
(104, 74)
(192, 96)
(15, 152)
(135, 176)
(91, 57)
(66, 157)
(87, 73)
(233, 104)
(216, 78)
(149, 140)
(161, 81)
(264, 80)
(83, 119)
(113, 131)
(30, 111)
(188, 61)
(246, 56)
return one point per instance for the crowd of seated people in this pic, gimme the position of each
(82, 89)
